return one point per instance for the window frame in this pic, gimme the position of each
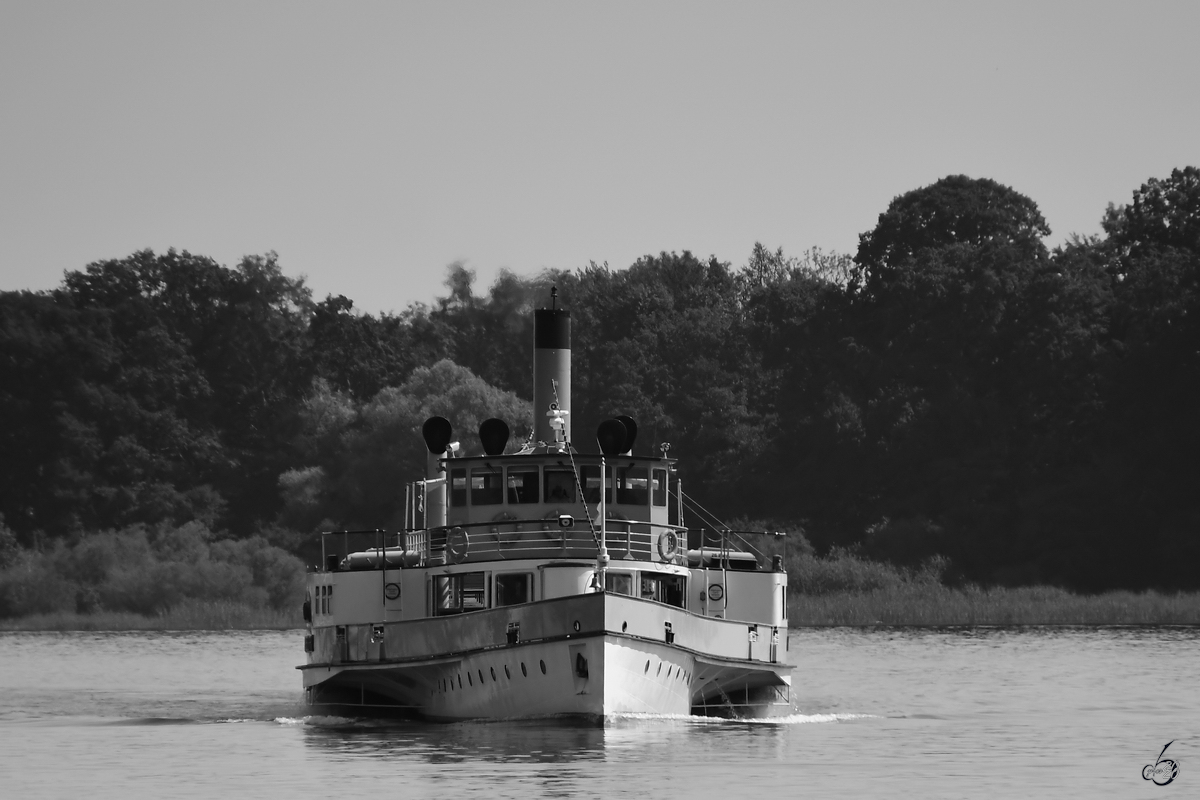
(546, 493)
(510, 491)
(457, 497)
(610, 580)
(626, 476)
(454, 583)
(658, 487)
(499, 578)
(486, 475)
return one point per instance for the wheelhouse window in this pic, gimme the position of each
(618, 583)
(523, 485)
(458, 593)
(632, 486)
(513, 588)
(458, 488)
(658, 483)
(661, 588)
(487, 486)
(590, 478)
(560, 486)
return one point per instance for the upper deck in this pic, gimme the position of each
(546, 504)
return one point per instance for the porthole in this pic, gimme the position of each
(469, 681)
(493, 671)
(647, 669)
(460, 680)
(624, 627)
(576, 626)
(507, 674)
(481, 677)
(668, 672)
(657, 672)
(543, 665)
(523, 672)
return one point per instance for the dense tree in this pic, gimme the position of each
(94, 422)
(1164, 213)
(954, 210)
(661, 341)
(153, 387)
(360, 353)
(955, 390)
(358, 456)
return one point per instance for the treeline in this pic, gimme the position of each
(954, 389)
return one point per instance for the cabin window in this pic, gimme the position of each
(458, 488)
(633, 487)
(662, 588)
(659, 484)
(560, 486)
(487, 487)
(618, 583)
(590, 475)
(513, 588)
(523, 485)
(455, 594)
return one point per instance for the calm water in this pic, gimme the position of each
(886, 713)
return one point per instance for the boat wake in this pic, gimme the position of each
(329, 721)
(790, 719)
(143, 721)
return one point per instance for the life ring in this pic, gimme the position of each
(668, 545)
(502, 518)
(457, 544)
(611, 516)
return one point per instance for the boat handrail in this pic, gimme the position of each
(550, 523)
(631, 539)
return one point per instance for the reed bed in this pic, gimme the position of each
(928, 604)
(218, 615)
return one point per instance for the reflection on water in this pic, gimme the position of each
(449, 744)
(988, 712)
(549, 741)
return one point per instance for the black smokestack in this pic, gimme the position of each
(551, 368)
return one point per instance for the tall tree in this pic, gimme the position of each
(954, 210)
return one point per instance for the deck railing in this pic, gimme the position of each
(510, 539)
(627, 540)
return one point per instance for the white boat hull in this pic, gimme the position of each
(593, 659)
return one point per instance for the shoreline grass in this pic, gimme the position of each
(934, 605)
(909, 605)
(190, 616)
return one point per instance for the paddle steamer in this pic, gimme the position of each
(544, 581)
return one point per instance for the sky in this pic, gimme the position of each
(372, 144)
